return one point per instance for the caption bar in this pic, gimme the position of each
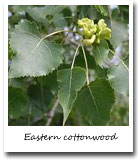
(75, 137)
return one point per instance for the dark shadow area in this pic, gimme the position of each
(71, 154)
(134, 77)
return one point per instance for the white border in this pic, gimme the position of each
(15, 135)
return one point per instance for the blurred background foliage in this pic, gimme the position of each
(31, 99)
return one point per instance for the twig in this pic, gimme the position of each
(51, 114)
(73, 42)
(87, 71)
(119, 59)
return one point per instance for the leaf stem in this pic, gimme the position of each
(119, 59)
(51, 34)
(75, 56)
(87, 70)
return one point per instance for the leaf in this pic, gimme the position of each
(22, 121)
(33, 59)
(101, 9)
(110, 45)
(79, 61)
(20, 8)
(59, 20)
(119, 33)
(17, 102)
(82, 11)
(119, 78)
(126, 60)
(10, 52)
(50, 81)
(100, 52)
(101, 72)
(94, 102)
(70, 82)
(39, 14)
(17, 82)
(39, 96)
(94, 14)
(53, 10)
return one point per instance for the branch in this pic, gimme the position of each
(73, 42)
(87, 71)
(51, 114)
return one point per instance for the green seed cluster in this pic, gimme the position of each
(93, 33)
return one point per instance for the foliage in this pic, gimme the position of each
(68, 65)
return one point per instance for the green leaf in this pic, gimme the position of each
(53, 10)
(94, 14)
(37, 13)
(126, 60)
(119, 78)
(40, 99)
(17, 82)
(100, 52)
(101, 9)
(39, 96)
(95, 101)
(119, 33)
(10, 52)
(17, 102)
(20, 8)
(32, 59)
(50, 81)
(82, 11)
(70, 82)
(100, 72)
(79, 61)
(59, 20)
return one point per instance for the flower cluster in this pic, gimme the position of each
(93, 33)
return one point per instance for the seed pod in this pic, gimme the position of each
(103, 32)
(89, 42)
(93, 33)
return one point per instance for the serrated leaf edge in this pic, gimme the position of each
(16, 27)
